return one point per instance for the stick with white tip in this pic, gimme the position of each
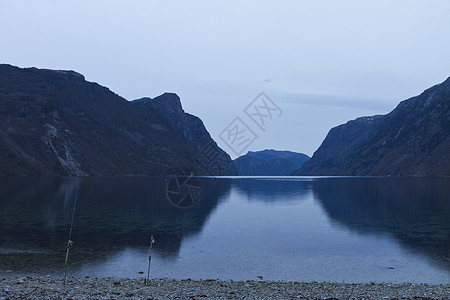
(150, 258)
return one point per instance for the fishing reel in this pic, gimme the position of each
(69, 244)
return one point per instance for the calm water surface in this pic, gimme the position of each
(304, 229)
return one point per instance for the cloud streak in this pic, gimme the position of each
(334, 100)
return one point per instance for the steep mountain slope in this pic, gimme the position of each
(57, 123)
(412, 140)
(269, 163)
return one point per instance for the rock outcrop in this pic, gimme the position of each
(269, 163)
(57, 123)
(412, 140)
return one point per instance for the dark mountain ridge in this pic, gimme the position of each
(57, 123)
(269, 162)
(411, 140)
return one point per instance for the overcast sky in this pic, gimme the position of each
(322, 62)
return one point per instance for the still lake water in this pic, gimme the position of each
(296, 228)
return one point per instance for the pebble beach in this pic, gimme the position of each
(110, 288)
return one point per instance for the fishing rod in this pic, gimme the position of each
(69, 241)
(150, 258)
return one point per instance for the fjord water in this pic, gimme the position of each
(292, 229)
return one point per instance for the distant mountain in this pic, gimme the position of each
(57, 123)
(412, 140)
(269, 163)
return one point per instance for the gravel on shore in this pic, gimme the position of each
(110, 288)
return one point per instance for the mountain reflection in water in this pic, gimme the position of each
(415, 211)
(291, 227)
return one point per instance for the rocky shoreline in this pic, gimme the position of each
(109, 288)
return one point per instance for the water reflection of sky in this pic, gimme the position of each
(297, 229)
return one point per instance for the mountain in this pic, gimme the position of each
(269, 163)
(412, 140)
(57, 123)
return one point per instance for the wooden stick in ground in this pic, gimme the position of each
(69, 241)
(150, 258)
(69, 244)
